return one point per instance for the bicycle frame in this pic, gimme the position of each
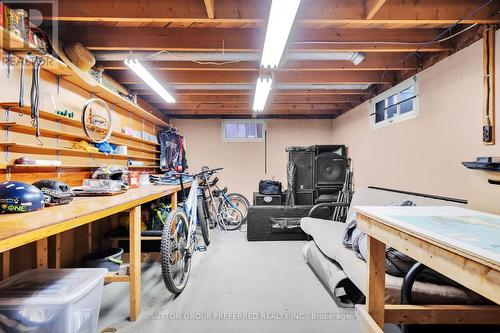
(190, 210)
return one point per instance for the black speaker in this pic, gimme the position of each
(304, 177)
(304, 198)
(336, 149)
(330, 169)
(266, 200)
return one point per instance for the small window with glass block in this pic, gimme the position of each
(243, 130)
(396, 104)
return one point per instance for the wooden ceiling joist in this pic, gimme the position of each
(373, 61)
(196, 100)
(248, 107)
(294, 77)
(209, 5)
(249, 40)
(372, 7)
(251, 13)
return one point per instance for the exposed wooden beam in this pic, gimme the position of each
(249, 111)
(373, 61)
(186, 77)
(209, 5)
(247, 99)
(251, 13)
(251, 40)
(186, 107)
(143, 90)
(372, 7)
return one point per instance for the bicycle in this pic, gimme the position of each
(228, 211)
(179, 240)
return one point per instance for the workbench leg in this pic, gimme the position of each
(42, 258)
(89, 238)
(135, 262)
(5, 265)
(375, 298)
(173, 200)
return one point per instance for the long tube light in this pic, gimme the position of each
(280, 23)
(262, 90)
(143, 73)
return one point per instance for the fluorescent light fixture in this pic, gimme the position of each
(262, 90)
(280, 23)
(143, 73)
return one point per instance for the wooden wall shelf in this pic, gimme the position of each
(73, 166)
(27, 129)
(15, 44)
(35, 149)
(14, 107)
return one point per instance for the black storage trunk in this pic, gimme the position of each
(267, 200)
(275, 223)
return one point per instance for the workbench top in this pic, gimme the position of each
(24, 228)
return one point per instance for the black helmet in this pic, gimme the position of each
(18, 197)
(54, 192)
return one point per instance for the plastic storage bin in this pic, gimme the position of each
(52, 301)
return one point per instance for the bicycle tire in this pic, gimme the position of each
(240, 198)
(202, 217)
(170, 246)
(234, 216)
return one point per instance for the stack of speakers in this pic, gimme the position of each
(320, 172)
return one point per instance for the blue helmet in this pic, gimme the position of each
(18, 197)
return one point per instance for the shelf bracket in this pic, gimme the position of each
(7, 154)
(58, 84)
(9, 64)
(7, 114)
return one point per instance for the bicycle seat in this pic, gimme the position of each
(217, 192)
(214, 181)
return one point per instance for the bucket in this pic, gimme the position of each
(109, 259)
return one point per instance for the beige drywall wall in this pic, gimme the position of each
(243, 162)
(424, 154)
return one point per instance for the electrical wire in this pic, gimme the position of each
(192, 59)
(387, 42)
(470, 14)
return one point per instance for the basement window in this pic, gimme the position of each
(396, 104)
(243, 130)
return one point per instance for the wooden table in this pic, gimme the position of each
(462, 244)
(20, 229)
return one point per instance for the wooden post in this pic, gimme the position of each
(42, 258)
(173, 200)
(5, 265)
(135, 262)
(89, 238)
(57, 256)
(375, 298)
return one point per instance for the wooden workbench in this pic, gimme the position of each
(20, 229)
(459, 243)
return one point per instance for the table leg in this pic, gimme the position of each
(135, 262)
(42, 259)
(173, 200)
(6, 265)
(375, 298)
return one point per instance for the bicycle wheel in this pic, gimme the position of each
(240, 203)
(175, 257)
(204, 220)
(231, 218)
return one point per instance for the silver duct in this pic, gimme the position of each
(354, 57)
(241, 86)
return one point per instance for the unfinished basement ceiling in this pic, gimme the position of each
(182, 39)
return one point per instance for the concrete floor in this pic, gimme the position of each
(268, 282)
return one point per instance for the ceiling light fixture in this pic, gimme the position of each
(280, 23)
(143, 73)
(262, 90)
